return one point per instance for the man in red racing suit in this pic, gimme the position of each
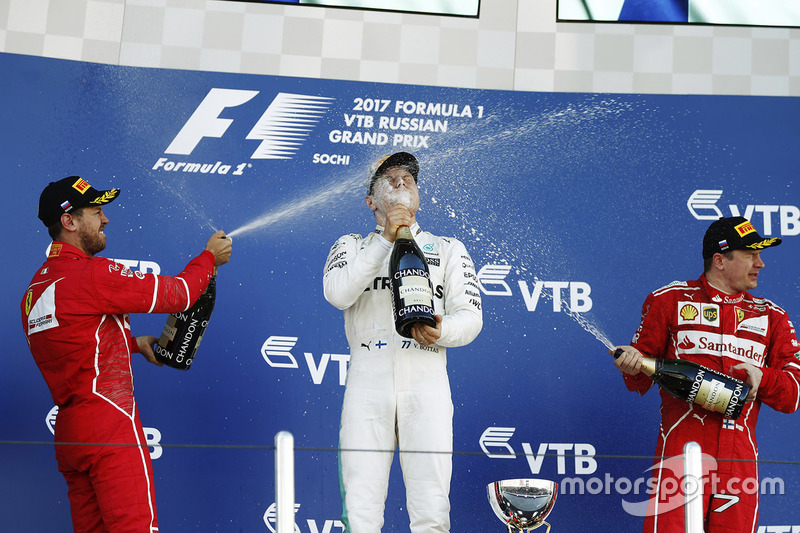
(716, 323)
(75, 317)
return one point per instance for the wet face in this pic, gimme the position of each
(396, 186)
(740, 271)
(91, 223)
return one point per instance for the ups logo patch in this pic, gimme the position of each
(710, 314)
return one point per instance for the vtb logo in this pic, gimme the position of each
(492, 281)
(277, 352)
(328, 526)
(494, 442)
(282, 128)
(702, 204)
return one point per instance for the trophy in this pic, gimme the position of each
(522, 504)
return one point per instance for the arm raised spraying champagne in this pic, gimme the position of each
(717, 353)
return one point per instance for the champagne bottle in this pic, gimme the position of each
(686, 380)
(184, 331)
(412, 292)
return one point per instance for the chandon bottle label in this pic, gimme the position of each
(713, 394)
(413, 287)
(183, 332)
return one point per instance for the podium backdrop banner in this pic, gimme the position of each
(573, 206)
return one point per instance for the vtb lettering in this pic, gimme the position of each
(318, 370)
(583, 456)
(579, 291)
(788, 217)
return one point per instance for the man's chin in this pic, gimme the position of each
(402, 199)
(96, 247)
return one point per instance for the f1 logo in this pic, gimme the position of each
(281, 129)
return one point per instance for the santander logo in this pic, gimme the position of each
(706, 343)
(686, 344)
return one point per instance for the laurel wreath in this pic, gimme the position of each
(766, 243)
(106, 197)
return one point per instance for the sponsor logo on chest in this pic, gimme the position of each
(691, 313)
(713, 344)
(756, 324)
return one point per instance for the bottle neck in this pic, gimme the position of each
(404, 232)
(648, 366)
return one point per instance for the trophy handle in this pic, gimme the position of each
(548, 526)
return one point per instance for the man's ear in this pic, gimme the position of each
(371, 203)
(716, 261)
(68, 222)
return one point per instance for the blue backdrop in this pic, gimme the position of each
(573, 206)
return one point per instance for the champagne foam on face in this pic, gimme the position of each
(386, 196)
(403, 198)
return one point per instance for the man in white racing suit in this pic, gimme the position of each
(397, 392)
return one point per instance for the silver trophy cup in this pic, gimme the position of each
(522, 504)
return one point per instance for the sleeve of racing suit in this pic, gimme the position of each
(651, 339)
(780, 384)
(350, 268)
(463, 318)
(119, 290)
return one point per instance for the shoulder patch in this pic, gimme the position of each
(675, 285)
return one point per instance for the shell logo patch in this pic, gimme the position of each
(688, 312)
